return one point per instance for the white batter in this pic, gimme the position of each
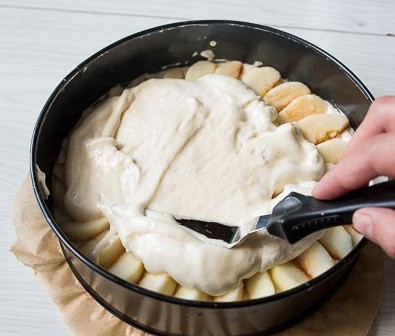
(204, 149)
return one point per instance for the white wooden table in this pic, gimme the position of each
(42, 40)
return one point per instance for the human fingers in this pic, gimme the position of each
(374, 157)
(379, 119)
(378, 225)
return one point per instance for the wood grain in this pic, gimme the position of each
(365, 16)
(41, 41)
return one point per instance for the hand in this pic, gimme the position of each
(371, 153)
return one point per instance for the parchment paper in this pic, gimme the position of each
(350, 312)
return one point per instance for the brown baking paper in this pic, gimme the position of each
(350, 312)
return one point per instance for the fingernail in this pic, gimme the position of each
(363, 223)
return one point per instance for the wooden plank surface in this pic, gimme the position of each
(41, 41)
(364, 16)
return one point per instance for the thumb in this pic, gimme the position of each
(378, 225)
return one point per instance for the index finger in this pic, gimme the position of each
(379, 119)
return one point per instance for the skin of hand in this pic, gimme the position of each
(371, 153)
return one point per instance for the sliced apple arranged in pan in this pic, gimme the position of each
(294, 103)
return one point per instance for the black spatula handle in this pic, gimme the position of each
(298, 216)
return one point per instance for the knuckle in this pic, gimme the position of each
(371, 150)
(383, 107)
(379, 154)
(383, 101)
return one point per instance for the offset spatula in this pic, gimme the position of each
(297, 216)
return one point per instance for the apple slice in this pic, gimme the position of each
(58, 171)
(355, 235)
(332, 150)
(81, 231)
(315, 260)
(127, 267)
(58, 192)
(63, 150)
(282, 95)
(191, 294)
(318, 128)
(200, 69)
(89, 247)
(234, 294)
(287, 276)
(175, 73)
(115, 91)
(232, 69)
(337, 242)
(259, 285)
(302, 107)
(261, 80)
(110, 252)
(159, 282)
